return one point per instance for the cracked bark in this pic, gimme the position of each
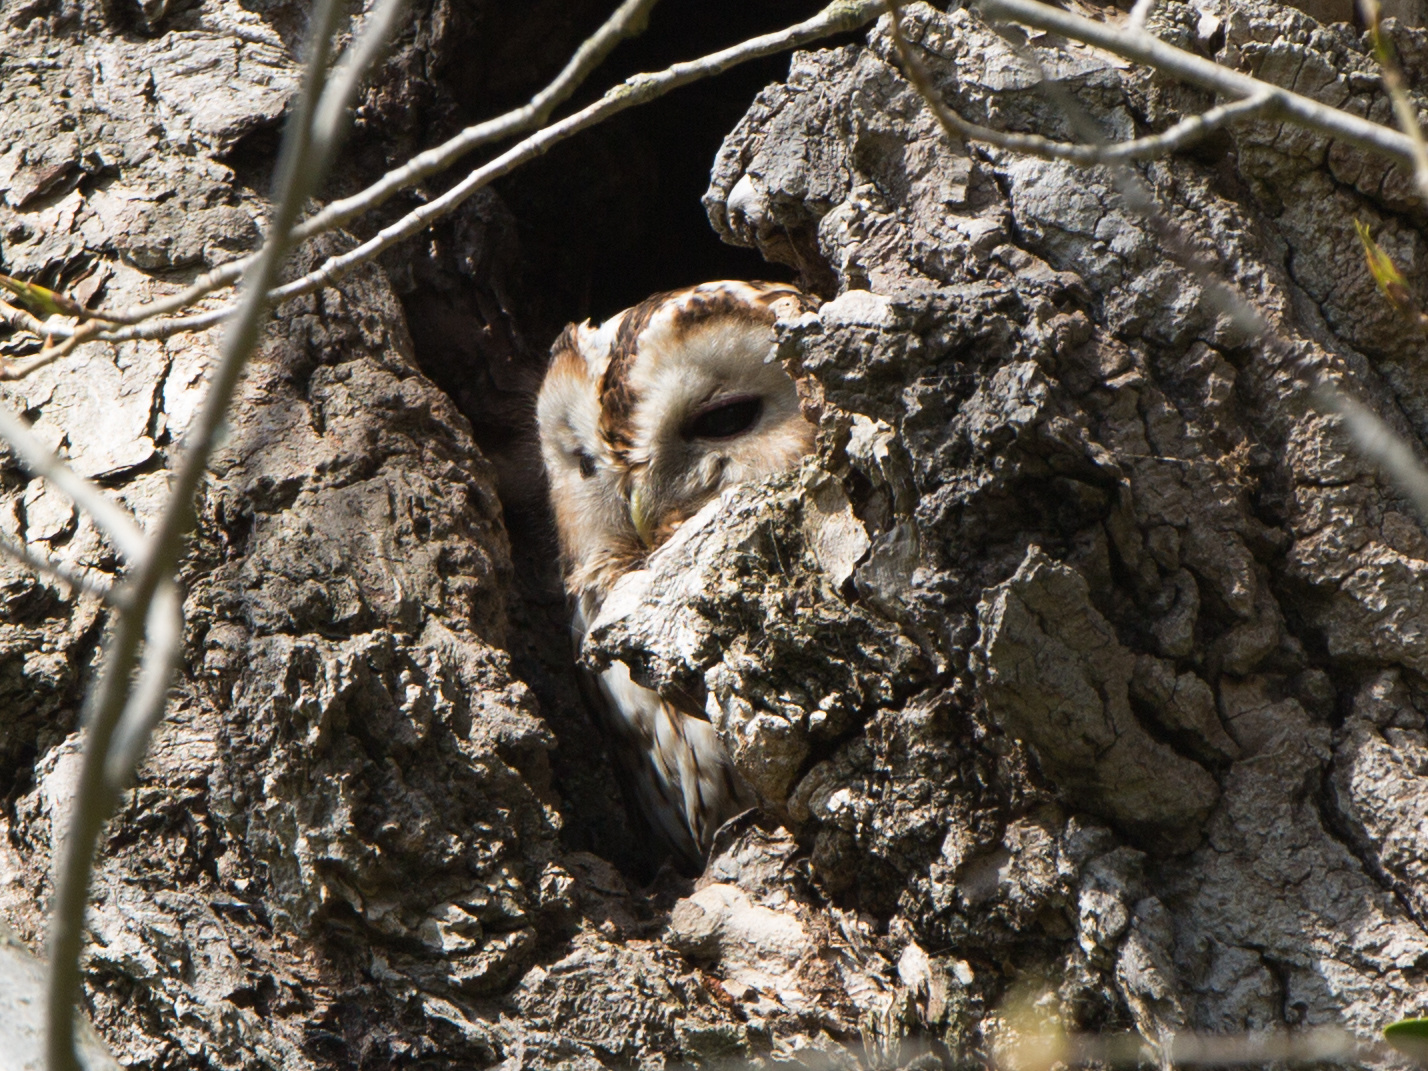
(1086, 656)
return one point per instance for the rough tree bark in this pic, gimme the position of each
(1086, 659)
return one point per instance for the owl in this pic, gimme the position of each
(643, 420)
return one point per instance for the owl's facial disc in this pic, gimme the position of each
(712, 407)
(721, 435)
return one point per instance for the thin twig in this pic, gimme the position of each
(1380, 444)
(1249, 97)
(23, 320)
(1143, 48)
(150, 592)
(1173, 138)
(61, 572)
(1139, 13)
(13, 370)
(93, 803)
(639, 89)
(111, 518)
(1397, 86)
(627, 20)
(145, 707)
(54, 302)
(330, 119)
(1188, 131)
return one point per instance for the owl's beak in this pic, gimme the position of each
(640, 515)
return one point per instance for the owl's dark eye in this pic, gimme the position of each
(725, 419)
(587, 464)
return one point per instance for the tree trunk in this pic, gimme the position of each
(1079, 673)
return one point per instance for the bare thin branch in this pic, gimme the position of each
(330, 119)
(151, 593)
(1188, 131)
(13, 370)
(23, 320)
(1176, 137)
(1381, 445)
(627, 20)
(1397, 86)
(111, 518)
(1250, 98)
(163, 644)
(1140, 12)
(636, 90)
(61, 572)
(1143, 48)
(92, 805)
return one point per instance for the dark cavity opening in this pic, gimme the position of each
(603, 221)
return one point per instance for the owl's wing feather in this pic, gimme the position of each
(682, 775)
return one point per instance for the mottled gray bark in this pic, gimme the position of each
(1086, 656)
(344, 831)
(1178, 623)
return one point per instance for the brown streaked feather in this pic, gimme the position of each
(617, 399)
(565, 350)
(757, 307)
(772, 292)
(700, 308)
(566, 343)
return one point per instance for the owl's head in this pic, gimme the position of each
(646, 418)
(710, 405)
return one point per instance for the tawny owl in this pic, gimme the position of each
(643, 420)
